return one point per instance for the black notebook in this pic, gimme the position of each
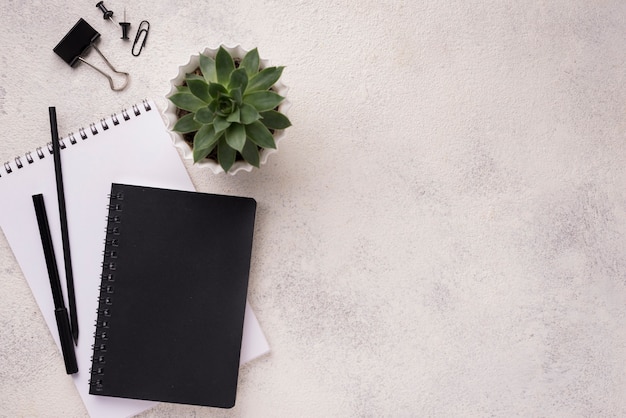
(172, 297)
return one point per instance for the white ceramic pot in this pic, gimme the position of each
(171, 117)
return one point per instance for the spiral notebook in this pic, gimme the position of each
(132, 147)
(172, 299)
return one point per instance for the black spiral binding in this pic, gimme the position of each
(107, 292)
(94, 129)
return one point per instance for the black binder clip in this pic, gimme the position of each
(77, 42)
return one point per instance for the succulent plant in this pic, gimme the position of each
(232, 110)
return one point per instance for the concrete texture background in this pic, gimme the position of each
(442, 232)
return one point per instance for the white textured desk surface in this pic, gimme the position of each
(443, 231)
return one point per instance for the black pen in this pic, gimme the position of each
(69, 276)
(63, 324)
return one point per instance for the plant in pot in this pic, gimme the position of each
(228, 109)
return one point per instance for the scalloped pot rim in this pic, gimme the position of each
(170, 112)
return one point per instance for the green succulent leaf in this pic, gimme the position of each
(204, 115)
(225, 105)
(200, 154)
(275, 120)
(236, 136)
(224, 65)
(186, 124)
(199, 88)
(187, 101)
(234, 117)
(263, 100)
(207, 66)
(251, 62)
(220, 123)
(204, 142)
(248, 114)
(265, 79)
(193, 76)
(260, 135)
(236, 95)
(250, 153)
(225, 154)
(238, 80)
(215, 89)
(182, 89)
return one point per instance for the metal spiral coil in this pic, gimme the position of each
(93, 129)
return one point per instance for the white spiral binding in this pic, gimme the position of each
(94, 129)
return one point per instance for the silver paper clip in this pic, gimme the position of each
(77, 42)
(142, 34)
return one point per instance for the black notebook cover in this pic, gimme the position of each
(173, 294)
